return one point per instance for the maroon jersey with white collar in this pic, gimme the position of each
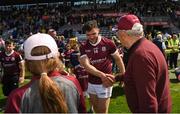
(10, 63)
(99, 55)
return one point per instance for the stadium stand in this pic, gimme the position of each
(20, 18)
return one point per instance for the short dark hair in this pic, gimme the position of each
(88, 26)
(9, 42)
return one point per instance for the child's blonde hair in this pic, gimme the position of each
(51, 96)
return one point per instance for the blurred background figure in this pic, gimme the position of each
(168, 48)
(158, 41)
(13, 68)
(79, 70)
(177, 73)
(52, 33)
(66, 55)
(174, 45)
(2, 44)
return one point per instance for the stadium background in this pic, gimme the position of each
(165, 17)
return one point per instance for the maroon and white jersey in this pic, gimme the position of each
(99, 55)
(82, 76)
(67, 57)
(10, 63)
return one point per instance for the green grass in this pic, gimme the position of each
(175, 93)
(118, 102)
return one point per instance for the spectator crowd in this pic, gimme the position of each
(76, 69)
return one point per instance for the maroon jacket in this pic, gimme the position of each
(146, 79)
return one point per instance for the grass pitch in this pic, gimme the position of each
(118, 101)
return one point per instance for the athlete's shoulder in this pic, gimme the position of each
(107, 40)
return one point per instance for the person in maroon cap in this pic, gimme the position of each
(146, 78)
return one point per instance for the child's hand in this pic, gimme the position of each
(21, 80)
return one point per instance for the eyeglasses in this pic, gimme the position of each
(117, 33)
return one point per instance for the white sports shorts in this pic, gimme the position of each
(99, 90)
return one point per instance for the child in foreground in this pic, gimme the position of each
(48, 91)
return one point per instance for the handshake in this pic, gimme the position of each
(109, 79)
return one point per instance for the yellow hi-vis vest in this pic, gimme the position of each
(175, 44)
(168, 50)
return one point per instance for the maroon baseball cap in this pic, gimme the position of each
(127, 22)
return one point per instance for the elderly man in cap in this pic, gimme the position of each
(146, 78)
